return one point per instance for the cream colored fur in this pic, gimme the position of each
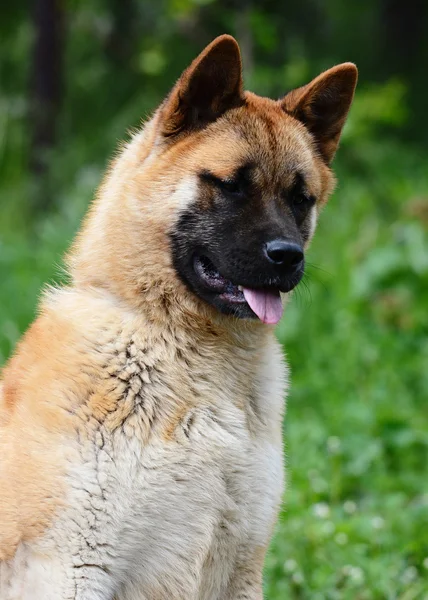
(173, 491)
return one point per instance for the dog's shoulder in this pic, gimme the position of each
(44, 386)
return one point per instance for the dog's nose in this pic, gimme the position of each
(284, 254)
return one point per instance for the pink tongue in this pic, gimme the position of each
(265, 303)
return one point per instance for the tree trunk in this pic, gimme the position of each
(46, 88)
(403, 25)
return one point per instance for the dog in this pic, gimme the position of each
(141, 415)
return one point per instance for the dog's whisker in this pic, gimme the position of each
(318, 268)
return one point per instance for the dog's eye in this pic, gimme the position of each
(229, 185)
(302, 201)
(299, 199)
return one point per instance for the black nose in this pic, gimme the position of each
(284, 254)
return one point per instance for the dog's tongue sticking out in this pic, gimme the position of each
(265, 303)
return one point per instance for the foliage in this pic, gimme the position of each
(356, 514)
(355, 519)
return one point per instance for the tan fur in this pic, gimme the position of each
(126, 374)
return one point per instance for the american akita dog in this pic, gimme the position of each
(141, 416)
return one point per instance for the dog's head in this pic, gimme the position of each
(222, 189)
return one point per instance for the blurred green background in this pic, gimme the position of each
(75, 76)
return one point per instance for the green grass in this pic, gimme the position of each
(355, 518)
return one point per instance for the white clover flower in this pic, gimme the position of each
(377, 522)
(341, 538)
(409, 575)
(328, 528)
(321, 510)
(355, 574)
(290, 565)
(297, 578)
(334, 444)
(349, 506)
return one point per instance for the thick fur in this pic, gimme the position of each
(140, 426)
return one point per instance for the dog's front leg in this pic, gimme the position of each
(246, 583)
(246, 590)
(34, 576)
(92, 583)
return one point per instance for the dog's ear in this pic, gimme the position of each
(322, 106)
(210, 86)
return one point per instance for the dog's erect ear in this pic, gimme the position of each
(207, 89)
(323, 105)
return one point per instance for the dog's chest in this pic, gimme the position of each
(172, 513)
(177, 515)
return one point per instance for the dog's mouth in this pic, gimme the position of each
(265, 302)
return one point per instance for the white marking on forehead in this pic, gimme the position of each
(185, 193)
(313, 221)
